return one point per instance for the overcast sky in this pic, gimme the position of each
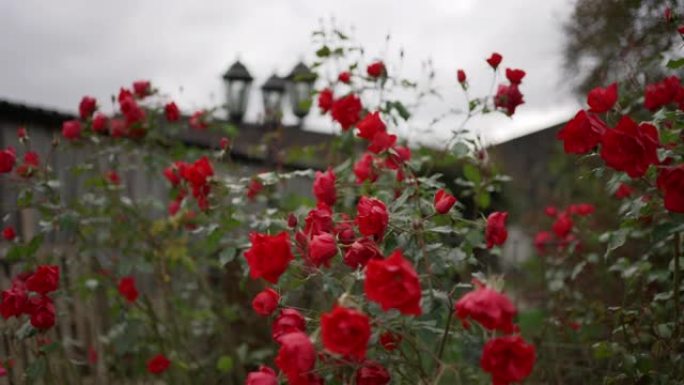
(53, 52)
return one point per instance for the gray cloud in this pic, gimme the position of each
(52, 53)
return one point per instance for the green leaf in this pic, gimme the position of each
(578, 269)
(51, 347)
(227, 256)
(484, 199)
(442, 229)
(323, 51)
(531, 321)
(224, 364)
(401, 110)
(615, 240)
(36, 369)
(472, 173)
(602, 350)
(24, 251)
(341, 35)
(460, 150)
(675, 63)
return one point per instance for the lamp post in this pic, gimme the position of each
(238, 81)
(300, 84)
(272, 92)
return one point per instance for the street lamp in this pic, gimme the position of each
(272, 92)
(300, 84)
(238, 81)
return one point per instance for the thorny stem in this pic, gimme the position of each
(445, 336)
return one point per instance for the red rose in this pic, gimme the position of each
(390, 341)
(8, 233)
(113, 177)
(344, 77)
(360, 252)
(287, 321)
(171, 112)
(363, 169)
(542, 240)
(630, 148)
(224, 143)
(100, 123)
(680, 29)
(131, 111)
(394, 284)
(508, 97)
(198, 121)
(325, 100)
(382, 141)
(345, 331)
(443, 201)
(660, 94)
(296, 357)
(508, 359)
(491, 309)
(197, 173)
(172, 173)
(117, 128)
(376, 69)
(269, 255)
(7, 160)
(158, 364)
(602, 100)
(92, 355)
(372, 373)
(22, 134)
(87, 106)
(321, 249)
(671, 183)
(254, 188)
(71, 129)
(141, 88)
(623, 191)
(14, 301)
(124, 94)
(461, 76)
(264, 376)
(344, 230)
(128, 289)
(42, 312)
(515, 76)
(495, 60)
(371, 217)
(291, 221)
(324, 187)
(551, 211)
(174, 207)
(45, 280)
(319, 220)
(581, 134)
(495, 232)
(582, 209)
(346, 111)
(266, 302)
(31, 164)
(398, 157)
(563, 225)
(370, 126)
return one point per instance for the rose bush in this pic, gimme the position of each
(383, 253)
(610, 295)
